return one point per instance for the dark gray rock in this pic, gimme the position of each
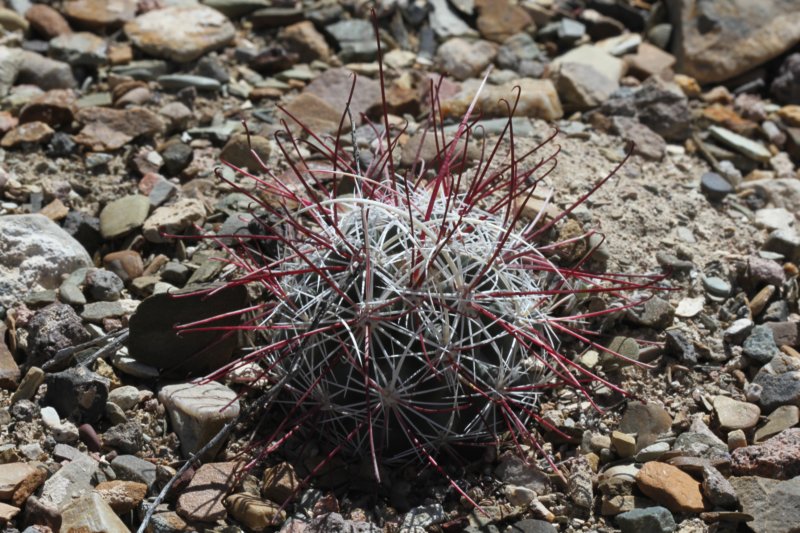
(654, 313)
(715, 187)
(779, 383)
(680, 347)
(718, 489)
(760, 344)
(127, 437)
(659, 105)
(45, 72)
(177, 156)
(78, 394)
(650, 519)
(532, 526)
(785, 87)
(131, 468)
(104, 285)
(516, 49)
(52, 328)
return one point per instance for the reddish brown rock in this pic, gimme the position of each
(55, 108)
(108, 129)
(333, 86)
(304, 39)
(671, 487)
(202, 501)
(500, 19)
(30, 133)
(9, 371)
(19, 480)
(649, 61)
(315, 114)
(127, 264)
(46, 21)
(776, 458)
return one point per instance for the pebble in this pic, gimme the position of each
(760, 344)
(280, 483)
(254, 513)
(173, 219)
(92, 513)
(671, 487)
(29, 385)
(202, 499)
(132, 468)
(782, 418)
(71, 481)
(181, 81)
(126, 437)
(651, 519)
(717, 489)
(733, 414)
(51, 329)
(46, 21)
(120, 217)
(18, 481)
(122, 496)
(180, 33)
(77, 393)
(716, 286)
(198, 412)
(126, 397)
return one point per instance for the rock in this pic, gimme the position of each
(72, 481)
(445, 23)
(176, 82)
(466, 59)
(785, 86)
(700, 441)
(760, 344)
(91, 513)
(650, 519)
(716, 41)
(659, 105)
(521, 53)
(122, 496)
(126, 397)
(784, 242)
(513, 470)
(647, 421)
(7, 512)
(774, 218)
(771, 503)
(671, 487)
(80, 49)
(154, 342)
(173, 219)
(198, 412)
(528, 526)
(500, 19)
(202, 500)
(779, 383)
(654, 313)
(131, 468)
(717, 489)
(538, 99)
(314, 114)
(46, 21)
(120, 217)
(52, 328)
(355, 38)
(715, 187)
(581, 86)
(44, 72)
(127, 437)
(623, 443)
(9, 370)
(56, 108)
(99, 14)
(781, 418)
(18, 481)
(27, 134)
(177, 156)
(77, 394)
(333, 87)
(104, 285)
(237, 151)
(733, 414)
(303, 39)
(649, 60)
(97, 312)
(180, 33)
(423, 516)
(29, 385)
(652, 452)
(107, 129)
(422, 147)
(743, 145)
(776, 458)
(11, 21)
(647, 143)
(280, 483)
(254, 513)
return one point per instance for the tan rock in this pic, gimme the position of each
(315, 114)
(97, 14)
(237, 151)
(254, 513)
(91, 513)
(19, 480)
(500, 19)
(173, 219)
(11, 21)
(733, 414)
(670, 487)
(790, 115)
(649, 61)
(122, 496)
(538, 99)
(7, 513)
(29, 133)
(279, 483)
(109, 129)
(304, 39)
(623, 443)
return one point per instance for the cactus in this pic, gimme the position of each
(418, 311)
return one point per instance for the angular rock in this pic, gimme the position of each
(173, 219)
(650, 519)
(77, 394)
(56, 108)
(741, 144)
(9, 370)
(91, 513)
(718, 40)
(333, 87)
(778, 420)
(72, 481)
(30, 133)
(447, 24)
(122, 496)
(539, 99)
(279, 483)
(581, 86)
(303, 39)
(659, 105)
(648, 143)
(500, 19)
(132, 468)
(52, 328)
(771, 503)
(120, 217)
(80, 49)
(19, 480)
(44, 72)
(718, 490)
(647, 421)
(785, 87)
(776, 458)
(671, 487)
(180, 33)
(202, 500)
(108, 129)
(198, 412)
(315, 114)
(464, 59)
(733, 414)
(127, 437)
(779, 381)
